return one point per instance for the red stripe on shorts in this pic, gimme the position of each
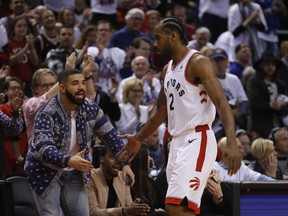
(202, 152)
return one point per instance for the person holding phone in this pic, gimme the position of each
(108, 194)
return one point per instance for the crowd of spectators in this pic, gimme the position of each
(246, 41)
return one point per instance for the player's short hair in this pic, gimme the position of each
(175, 24)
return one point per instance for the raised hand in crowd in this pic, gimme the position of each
(17, 102)
(4, 71)
(214, 187)
(113, 88)
(70, 61)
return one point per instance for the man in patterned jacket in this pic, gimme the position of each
(57, 164)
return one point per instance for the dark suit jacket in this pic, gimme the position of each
(261, 115)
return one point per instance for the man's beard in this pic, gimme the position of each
(19, 10)
(74, 100)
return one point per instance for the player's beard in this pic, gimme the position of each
(165, 53)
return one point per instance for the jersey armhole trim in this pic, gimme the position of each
(186, 70)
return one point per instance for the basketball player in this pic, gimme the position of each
(188, 98)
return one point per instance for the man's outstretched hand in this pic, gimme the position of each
(130, 149)
(232, 158)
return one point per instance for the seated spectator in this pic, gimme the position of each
(56, 58)
(132, 113)
(18, 8)
(202, 38)
(245, 140)
(47, 40)
(273, 11)
(142, 71)
(66, 17)
(144, 187)
(44, 87)
(263, 90)
(15, 148)
(243, 174)
(156, 151)
(10, 126)
(283, 72)
(141, 47)
(82, 13)
(107, 101)
(279, 136)
(22, 55)
(245, 21)
(153, 17)
(225, 41)
(109, 59)
(123, 38)
(86, 39)
(233, 91)
(266, 158)
(180, 12)
(108, 194)
(216, 199)
(243, 59)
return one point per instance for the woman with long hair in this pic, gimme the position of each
(22, 56)
(144, 187)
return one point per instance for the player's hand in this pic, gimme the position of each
(126, 171)
(232, 158)
(78, 162)
(129, 151)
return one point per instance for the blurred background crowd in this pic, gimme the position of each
(246, 40)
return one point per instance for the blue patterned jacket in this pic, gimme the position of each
(48, 154)
(10, 126)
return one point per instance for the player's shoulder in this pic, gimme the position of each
(198, 61)
(198, 57)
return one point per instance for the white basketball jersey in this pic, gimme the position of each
(188, 104)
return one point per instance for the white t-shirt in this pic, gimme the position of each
(218, 8)
(104, 9)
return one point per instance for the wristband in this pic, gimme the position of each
(88, 78)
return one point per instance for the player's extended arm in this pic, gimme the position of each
(134, 142)
(202, 68)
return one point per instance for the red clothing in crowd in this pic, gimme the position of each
(23, 70)
(10, 166)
